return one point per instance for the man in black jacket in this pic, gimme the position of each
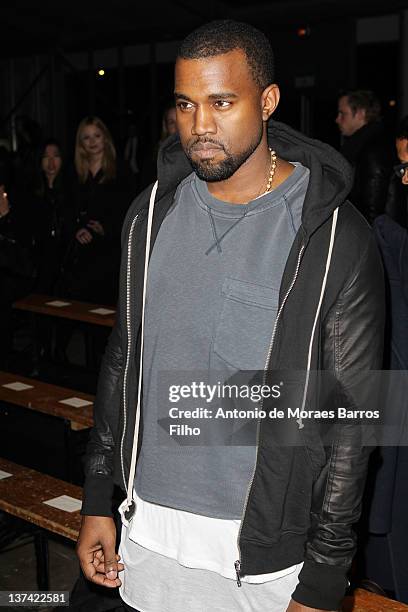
(368, 149)
(256, 261)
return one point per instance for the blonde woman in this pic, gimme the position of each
(95, 162)
(101, 201)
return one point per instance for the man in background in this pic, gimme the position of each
(366, 146)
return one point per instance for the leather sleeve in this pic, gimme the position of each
(98, 487)
(356, 325)
(375, 174)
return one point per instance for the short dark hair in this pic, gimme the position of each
(224, 35)
(364, 99)
(402, 129)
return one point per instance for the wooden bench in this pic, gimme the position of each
(23, 493)
(48, 399)
(38, 428)
(364, 601)
(67, 309)
(86, 316)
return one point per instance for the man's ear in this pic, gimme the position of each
(361, 115)
(269, 100)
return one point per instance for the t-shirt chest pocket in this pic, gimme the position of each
(245, 325)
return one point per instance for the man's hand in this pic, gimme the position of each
(96, 551)
(294, 606)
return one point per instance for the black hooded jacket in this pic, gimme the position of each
(304, 498)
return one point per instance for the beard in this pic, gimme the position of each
(212, 172)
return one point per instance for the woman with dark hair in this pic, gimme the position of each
(51, 217)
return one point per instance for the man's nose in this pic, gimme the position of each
(203, 122)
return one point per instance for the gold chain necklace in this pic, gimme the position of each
(272, 170)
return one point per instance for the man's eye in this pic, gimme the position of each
(184, 106)
(222, 103)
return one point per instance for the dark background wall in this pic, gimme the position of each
(49, 61)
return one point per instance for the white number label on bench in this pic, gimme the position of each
(18, 386)
(64, 502)
(102, 311)
(58, 303)
(76, 402)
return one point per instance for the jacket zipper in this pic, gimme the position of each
(237, 563)
(129, 340)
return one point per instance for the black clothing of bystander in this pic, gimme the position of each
(16, 270)
(397, 202)
(52, 221)
(370, 153)
(385, 543)
(91, 271)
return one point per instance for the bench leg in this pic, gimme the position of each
(41, 553)
(90, 351)
(36, 346)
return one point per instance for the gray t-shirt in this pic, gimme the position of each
(212, 298)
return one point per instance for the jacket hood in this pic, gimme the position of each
(172, 165)
(331, 176)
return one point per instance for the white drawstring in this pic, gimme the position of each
(129, 500)
(324, 282)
